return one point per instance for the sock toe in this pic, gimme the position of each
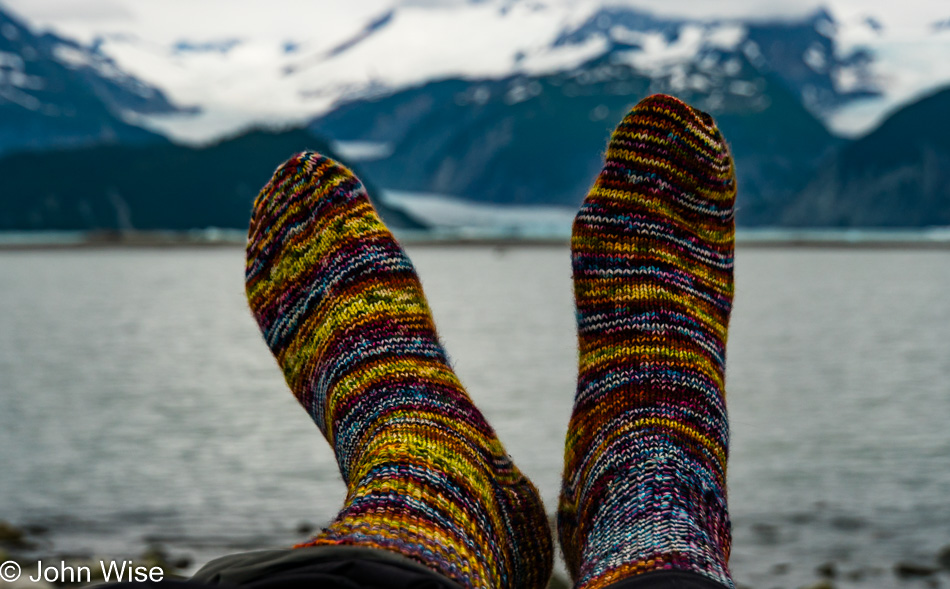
(670, 155)
(313, 213)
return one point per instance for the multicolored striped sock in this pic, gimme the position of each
(343, 311)
(645, 461)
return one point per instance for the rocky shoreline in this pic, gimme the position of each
(932, 238)
(31, 550)
(27, 546)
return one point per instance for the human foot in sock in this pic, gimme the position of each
(342, 310)
(652, 250)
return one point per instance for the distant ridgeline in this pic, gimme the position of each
(896, 176)
(151, 187)
(541, 140)
(545, 150)
(69, 160)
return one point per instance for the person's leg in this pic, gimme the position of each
(644, 485)
(342, 309)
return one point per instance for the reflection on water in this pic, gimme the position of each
(138, 403)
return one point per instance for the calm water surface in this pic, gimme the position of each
(138, 403)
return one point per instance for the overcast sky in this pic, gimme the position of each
(89, 17)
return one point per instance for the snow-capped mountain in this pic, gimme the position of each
(538, 140)
(55, 92)
(290, 60)
(704, 56)
(535, 136)
(508, 101)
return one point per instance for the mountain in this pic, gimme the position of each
(539, 140)
(535, 136)
(248, 68)
(812, 62)
(57, 93)
(896, 176)
(802, 54)
(151, 187)
(501, 102)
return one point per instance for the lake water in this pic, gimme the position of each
(138, 403)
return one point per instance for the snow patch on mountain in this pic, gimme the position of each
(55, 92)
(245, 62)
(908, 62)
(32, 71)
(362, 151)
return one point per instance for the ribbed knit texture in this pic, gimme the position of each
(343, 311)
(652, 251)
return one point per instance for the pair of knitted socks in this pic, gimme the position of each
(341, 308)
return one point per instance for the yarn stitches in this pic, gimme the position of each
(343, 312)
(652, 254)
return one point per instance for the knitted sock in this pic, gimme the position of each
(644, 484)
(343, 311)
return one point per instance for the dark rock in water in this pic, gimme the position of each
(12, 536)
(75, 562)
(155, 553)
(158, 556)
(855, 575)
(848, 524)
(908, 570)
(781, 568)
(943, 558)
(558, 582)
(9, 532)
(305, 528)
(802, 518)
(827, 570)
(36, 529)
(766, 533)
(182, 562)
